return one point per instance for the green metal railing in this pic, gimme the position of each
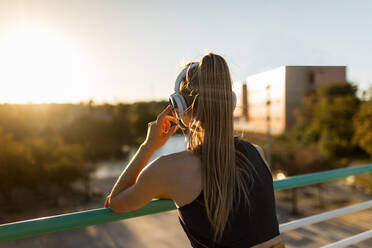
(50, 224)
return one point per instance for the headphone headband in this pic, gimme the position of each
(182, 74)
(177, 101)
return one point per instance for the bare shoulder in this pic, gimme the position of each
(185, 156)
(259, 148)
(181, 172)
(183, 161)
(173, 164)
(261, 152)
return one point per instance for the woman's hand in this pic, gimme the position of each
(160, 131)
(108, 201)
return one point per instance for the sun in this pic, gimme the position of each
(39, 65)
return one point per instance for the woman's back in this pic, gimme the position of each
(247, 226)
(209, 178)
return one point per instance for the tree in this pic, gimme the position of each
(322, 134)
(363, 137)
(363, 127)
(325, 118)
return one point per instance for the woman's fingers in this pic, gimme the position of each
(164, 120)
(171, 118)
(168, 125)
(164, 113)
(165, 126)
(107, 202)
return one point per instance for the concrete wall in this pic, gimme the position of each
(258, 94)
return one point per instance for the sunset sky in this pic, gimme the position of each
(70, 51)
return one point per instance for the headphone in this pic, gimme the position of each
(177, 101)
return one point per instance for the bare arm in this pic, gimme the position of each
(151, 182)
(158, 133)
(129, 175)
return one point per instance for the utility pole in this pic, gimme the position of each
(245, 101)
(268, 125)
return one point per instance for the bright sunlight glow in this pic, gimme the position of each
(39, 65)
(281, 176)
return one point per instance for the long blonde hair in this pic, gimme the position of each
(207, 90)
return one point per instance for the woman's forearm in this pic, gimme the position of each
(129, 175)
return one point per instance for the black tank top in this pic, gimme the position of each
(248, 227)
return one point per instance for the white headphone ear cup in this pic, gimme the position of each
(181, 104)
(234, 100)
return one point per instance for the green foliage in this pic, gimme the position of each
(142, 113)
(363, 137)
(91, 133)
(322, 136)
(15, 159)
(44, 144)
(297, 159)
(325, 118)
(35, 162)
(363, 127)
(333, 118)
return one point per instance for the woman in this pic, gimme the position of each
(220, 184)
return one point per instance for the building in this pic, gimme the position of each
(267, 100)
